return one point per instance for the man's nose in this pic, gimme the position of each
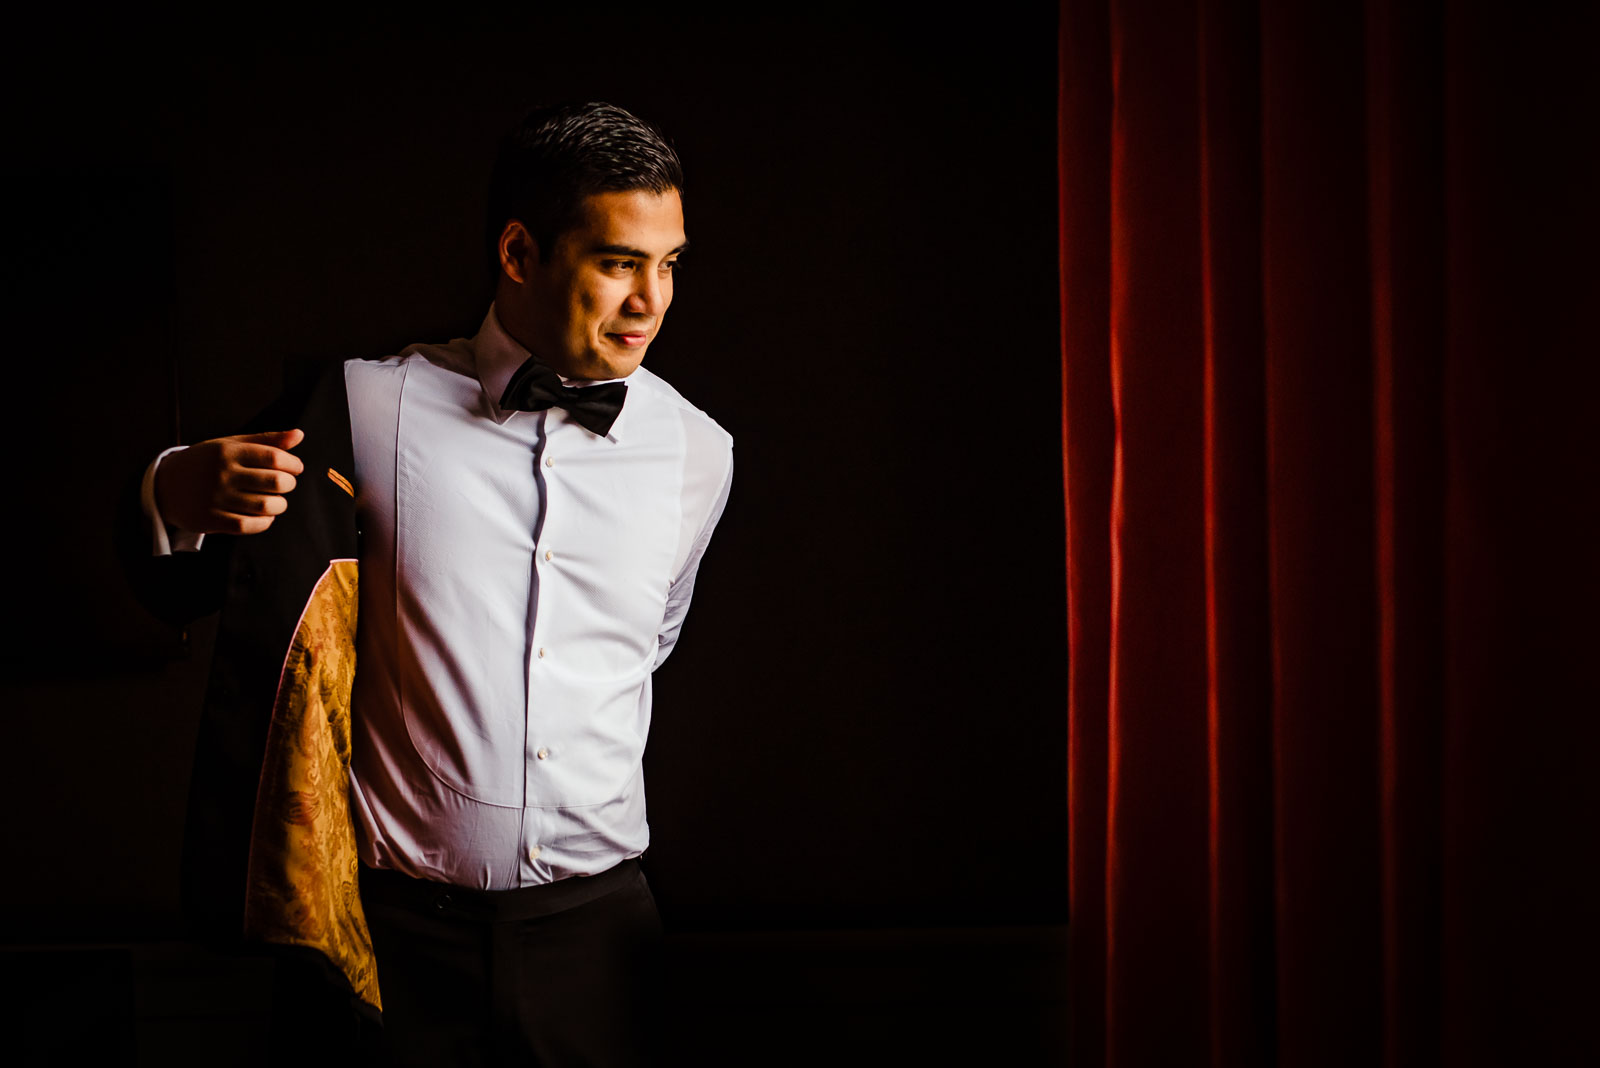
(649, 296)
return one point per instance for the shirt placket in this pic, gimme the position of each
(534, 864)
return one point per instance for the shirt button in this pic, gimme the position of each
(549, 461)
(548, 555)
(541, 754)
(533, 854)
(541, 652)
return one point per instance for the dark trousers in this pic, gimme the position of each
(558, 976)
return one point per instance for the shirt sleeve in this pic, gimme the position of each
(163, 543)
(683, 583)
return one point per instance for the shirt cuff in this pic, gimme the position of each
(163, 543)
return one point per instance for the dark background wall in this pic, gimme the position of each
(864, 727)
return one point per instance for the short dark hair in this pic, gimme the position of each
(559, 155)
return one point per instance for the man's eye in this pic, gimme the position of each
(616, 265)
(670, 265)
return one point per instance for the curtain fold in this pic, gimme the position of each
(1326, 277)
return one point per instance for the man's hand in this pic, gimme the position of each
(229, 485)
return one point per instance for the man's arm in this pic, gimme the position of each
(233, 485)
(683, 584)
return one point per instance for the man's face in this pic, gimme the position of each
(592, 310)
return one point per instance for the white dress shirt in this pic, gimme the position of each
(521, 577)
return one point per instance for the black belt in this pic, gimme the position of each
(523, 903)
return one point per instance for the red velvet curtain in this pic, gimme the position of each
(1327, 288)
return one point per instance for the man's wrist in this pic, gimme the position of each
(164, 539)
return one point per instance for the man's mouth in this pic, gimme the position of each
(632, 339)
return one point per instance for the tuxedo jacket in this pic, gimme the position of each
(269, 848)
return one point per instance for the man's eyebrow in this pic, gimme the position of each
(627, 250)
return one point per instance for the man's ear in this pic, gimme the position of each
(518, 251)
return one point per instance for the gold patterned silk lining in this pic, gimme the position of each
(302, 888)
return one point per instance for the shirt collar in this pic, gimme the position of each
(497, 355)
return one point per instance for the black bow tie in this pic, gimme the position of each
(536, 387)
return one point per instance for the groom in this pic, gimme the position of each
(446, 805)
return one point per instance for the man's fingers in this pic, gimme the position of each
(258, 480)
(249, 524)
(280, 439)
(251, 505)
(264, 457)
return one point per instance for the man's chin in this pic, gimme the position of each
(617, 360)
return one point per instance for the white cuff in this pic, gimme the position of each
(182, 541)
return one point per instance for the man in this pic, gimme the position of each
(532, 507)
